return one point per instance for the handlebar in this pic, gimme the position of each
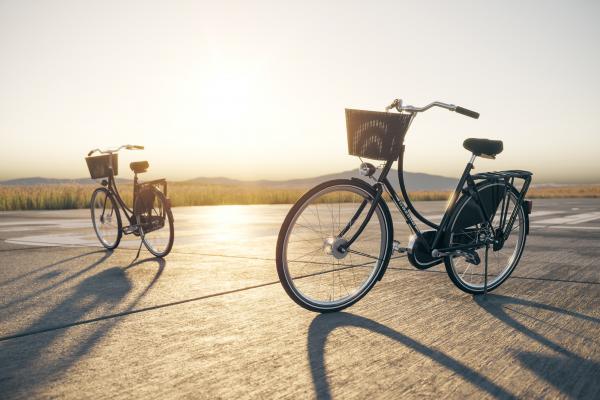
(111, 151)
(397, 104)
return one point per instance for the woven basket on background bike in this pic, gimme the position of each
(99, 165)
(376, 135)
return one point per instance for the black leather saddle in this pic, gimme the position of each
(483, 147)
(139, 166)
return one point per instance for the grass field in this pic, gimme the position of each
(60, 197)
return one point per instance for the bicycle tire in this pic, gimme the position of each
(110, 245)
(139, 215)
(385, 226)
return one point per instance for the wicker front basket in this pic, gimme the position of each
(376, 135)
(99, 165)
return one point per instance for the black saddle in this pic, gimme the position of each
(483, 147)
(139, 166)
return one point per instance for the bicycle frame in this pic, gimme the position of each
(383, 183)
(111, 185)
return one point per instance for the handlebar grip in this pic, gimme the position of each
(467, 112)
(134, 147)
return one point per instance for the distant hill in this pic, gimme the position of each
(36, 181)
(414, 181)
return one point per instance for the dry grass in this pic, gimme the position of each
(550, 192)
(60, 197)
(50, 197)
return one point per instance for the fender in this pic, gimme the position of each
(491, 201)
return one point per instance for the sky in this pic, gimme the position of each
(257, 89)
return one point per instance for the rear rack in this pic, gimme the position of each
(160, 184)
(497, 175)
(508, 178)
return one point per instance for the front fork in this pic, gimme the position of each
(361, 228)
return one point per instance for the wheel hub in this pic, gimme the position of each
(335, 247)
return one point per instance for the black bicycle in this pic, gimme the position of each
(151, 218)
(337, 240)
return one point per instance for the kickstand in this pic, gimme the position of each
(485, 270)
(140, 249)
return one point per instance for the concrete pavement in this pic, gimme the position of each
(212, 321)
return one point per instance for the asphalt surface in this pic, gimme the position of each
(212, 321)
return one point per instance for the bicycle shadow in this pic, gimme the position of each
(51, 265)
(568, 372)
(324, 324)
(44, 352)
(50, 274)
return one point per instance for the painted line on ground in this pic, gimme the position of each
(571, 219)
(570, 227)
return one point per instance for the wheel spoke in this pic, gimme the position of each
(362, 254)
(316, 269)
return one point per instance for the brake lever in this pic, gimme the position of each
(397, 104)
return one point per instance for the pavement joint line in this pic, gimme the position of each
(555, 326)
(179, 302)
(129, 312)
(530, 278)
(194, 299)
(272, 259)
(52, 245)
(24, 248)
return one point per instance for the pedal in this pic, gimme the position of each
(472, 257)
(396, 247)
(128, 230)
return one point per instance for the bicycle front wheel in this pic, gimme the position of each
(106, 218)
(154, 219)
(312, 265)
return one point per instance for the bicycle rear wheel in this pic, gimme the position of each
(106, 218)
(154, 219)
(503, 258)
(313, 270)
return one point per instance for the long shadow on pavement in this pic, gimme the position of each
(571, 374)
(324, 324)
(43, 352)
(51, 265)
(30, 295)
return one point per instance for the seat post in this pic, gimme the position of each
(473, 157)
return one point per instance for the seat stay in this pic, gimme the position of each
(452, 202)
(508, 229)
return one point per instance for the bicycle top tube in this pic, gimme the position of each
(111, 151)
(398, 105)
